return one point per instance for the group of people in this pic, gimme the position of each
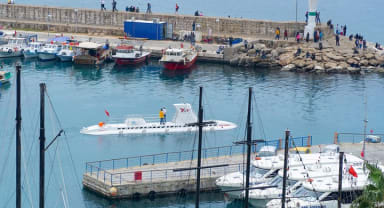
(103, 8)
(343, 30)
(163, 115)
(278, 33)
(132, 9)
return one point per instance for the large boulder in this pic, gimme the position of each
(369, 55)
(330, 65)
(353, 70)
(335, 57)
(352, 61)
(289, 67)
(363, 62)
(259, 46)
(286, 59)
(373, 62)
(234, 61)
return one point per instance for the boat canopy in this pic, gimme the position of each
(59, 39)
(124, 47)
(90, 45)
(184, 114)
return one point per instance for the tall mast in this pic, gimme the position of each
(199, 148)
(287, 132)
(18, 137)
(365, 124)
(249, 141)
(42, 145)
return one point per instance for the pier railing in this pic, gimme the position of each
(352, 137)
(112, 171)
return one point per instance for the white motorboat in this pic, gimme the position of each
(270, 166)
(14, 48)
(66, 53)
(32, 49)
(296, 176)
(48, 52)
(184, 120)
(323, 192)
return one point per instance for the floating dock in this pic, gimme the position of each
(168, 173)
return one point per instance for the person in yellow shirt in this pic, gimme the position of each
(277, 32)
(161, 115)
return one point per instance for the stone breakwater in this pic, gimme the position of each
(284, 55)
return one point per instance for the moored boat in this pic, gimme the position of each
(178, 58)
(184, 120)
(66, 53)
(5, 76)
(48, 52)
(127, 55)
(14, 47)
(32, 49)
(90, 53)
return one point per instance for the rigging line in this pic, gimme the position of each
(7, 156)
(260, 122)
(26, 180)
(63, 179)
(67, 145)
(52, 160)
(193, 152)
(306, 169)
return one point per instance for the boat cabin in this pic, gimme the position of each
(174, 52)
(90, 53)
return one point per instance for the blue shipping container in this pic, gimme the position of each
(145, 29)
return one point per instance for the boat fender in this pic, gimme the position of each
(136, 195)
(9, 50)
(15, 49)
(101, 124)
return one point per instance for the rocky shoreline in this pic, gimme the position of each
(284, 55)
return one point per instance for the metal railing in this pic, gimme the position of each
(112, 171)
(352, 137)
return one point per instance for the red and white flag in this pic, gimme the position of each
(352, 171)
(107, 113)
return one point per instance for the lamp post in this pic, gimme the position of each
(296, 10)
(76, 10)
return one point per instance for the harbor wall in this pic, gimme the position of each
(62, 19)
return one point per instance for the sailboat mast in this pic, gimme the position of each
(18, 137)
(42, 145)
(249, 141)
(199, 148)
(365, 124)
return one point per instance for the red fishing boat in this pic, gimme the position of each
(127, 55)
(178, 58)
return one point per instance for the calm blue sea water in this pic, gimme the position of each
(307, 104)
(363, 17)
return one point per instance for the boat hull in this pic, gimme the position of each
(10, 55)
(130, 61)
(179, 65)
(153, 128)
(46, 56)
(65, 58)
(30, 55)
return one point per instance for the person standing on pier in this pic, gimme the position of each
(114, 5)
(177, 8)
(306, 17)
(345, 30)
(277, 32)
(337, 40)
(149, 11)
(102, 3)
(285, 34)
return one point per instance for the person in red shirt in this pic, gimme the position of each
(177, 8)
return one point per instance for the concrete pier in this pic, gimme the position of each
(161, 175)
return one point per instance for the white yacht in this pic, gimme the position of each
(31, 50)
(295, 177)
(267, 167)
(184, 120)
(323, 192)
(48, 52)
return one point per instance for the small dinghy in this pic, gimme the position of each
(184, 120)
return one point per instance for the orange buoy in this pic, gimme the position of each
(101, 124)
(257, 158)
(310, 180)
